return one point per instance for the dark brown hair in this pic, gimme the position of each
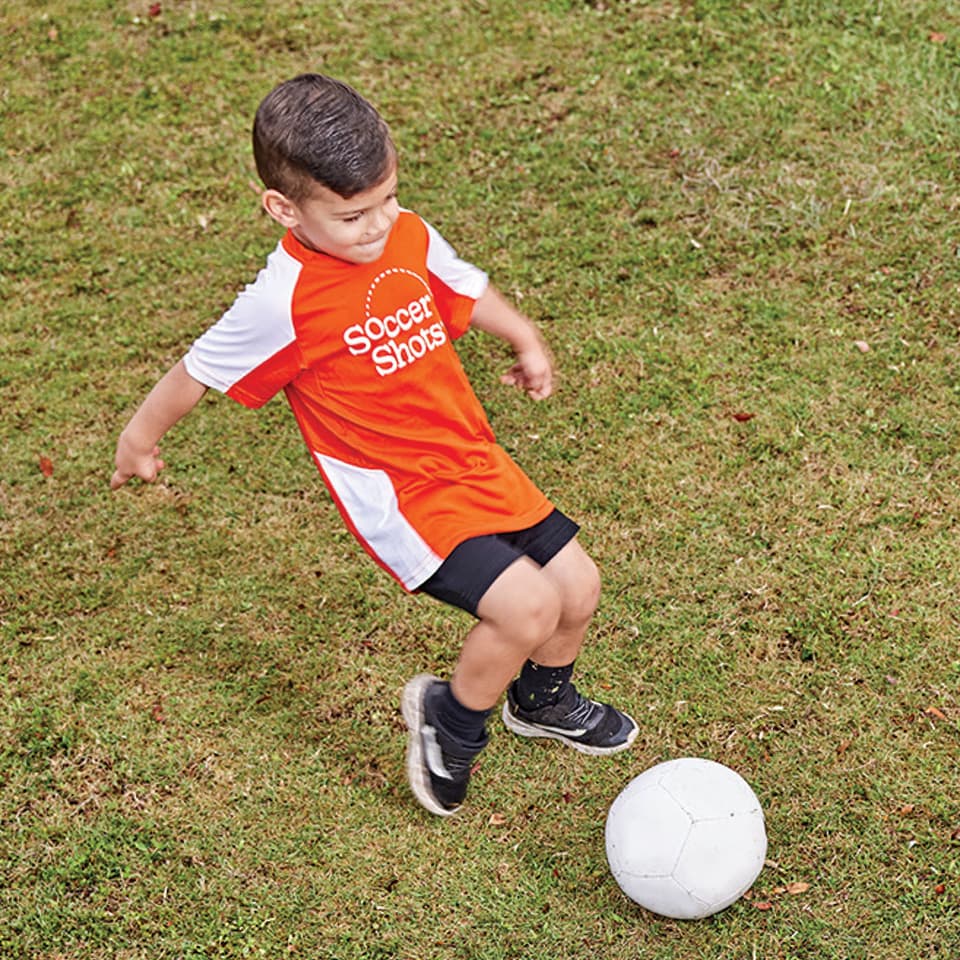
(317, 129)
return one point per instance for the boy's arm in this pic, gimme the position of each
(533, 370)
(138, 455)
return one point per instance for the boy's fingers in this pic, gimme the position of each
(120, 477)
(539, 388)
(540, 392)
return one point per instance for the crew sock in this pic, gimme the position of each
(539, 686)
(468, 727)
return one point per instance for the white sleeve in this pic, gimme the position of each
(461, 277)
(257, 328)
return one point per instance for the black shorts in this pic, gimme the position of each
(466, 575)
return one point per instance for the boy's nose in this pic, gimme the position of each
(382, 221)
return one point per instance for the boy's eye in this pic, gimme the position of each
(353, 218)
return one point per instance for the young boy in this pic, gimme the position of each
(353, 317)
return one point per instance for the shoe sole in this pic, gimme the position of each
(411, 704)
(521, 729)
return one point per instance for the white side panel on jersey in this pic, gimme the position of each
(370, 502)
(442, 261)
(256, 327)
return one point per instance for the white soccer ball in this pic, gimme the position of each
(686, 838)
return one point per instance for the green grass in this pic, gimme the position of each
(711, 208)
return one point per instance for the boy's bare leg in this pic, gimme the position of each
(577, 580)
(543, 702)
(529, 612)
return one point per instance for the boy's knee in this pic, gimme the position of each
(538, 614)
(524, 606)
(582, 595)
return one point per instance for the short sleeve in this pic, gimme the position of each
(455, 283)
(251, 353)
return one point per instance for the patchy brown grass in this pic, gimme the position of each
(736, 227)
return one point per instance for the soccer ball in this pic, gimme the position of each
(686, 838)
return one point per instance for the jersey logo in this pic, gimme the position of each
(401, 323)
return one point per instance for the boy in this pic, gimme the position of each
(353, 317)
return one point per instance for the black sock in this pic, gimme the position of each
(466, 726)
(539, 686)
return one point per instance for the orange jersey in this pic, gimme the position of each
(364, 354)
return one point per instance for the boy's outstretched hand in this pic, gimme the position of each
(133, 463)
(533, 369)
(532, 373)
(138, 455)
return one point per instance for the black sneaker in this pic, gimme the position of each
(438, 767)
(585, 725)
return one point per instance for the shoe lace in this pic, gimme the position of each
(583, 712)
(457, 765)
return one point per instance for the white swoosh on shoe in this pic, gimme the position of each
(432, 753)
(563, 731)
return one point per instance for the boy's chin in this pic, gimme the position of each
(366, 255)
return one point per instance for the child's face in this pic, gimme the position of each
(354, 229)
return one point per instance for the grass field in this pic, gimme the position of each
(737, 225)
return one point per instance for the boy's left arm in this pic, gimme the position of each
(533, 370)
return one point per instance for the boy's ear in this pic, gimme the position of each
(282, 209)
